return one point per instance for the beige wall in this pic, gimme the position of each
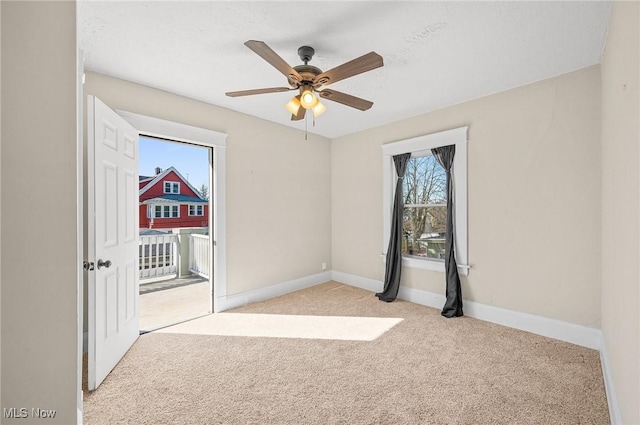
(278, 193)
(38, 198)
(621, 205)
(534, 203)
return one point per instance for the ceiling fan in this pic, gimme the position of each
(308, 79)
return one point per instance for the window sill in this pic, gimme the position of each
(427, 264)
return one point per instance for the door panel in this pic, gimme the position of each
(113, 238)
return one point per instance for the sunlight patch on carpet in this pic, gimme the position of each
(344, 328)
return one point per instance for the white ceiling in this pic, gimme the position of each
(435, 53)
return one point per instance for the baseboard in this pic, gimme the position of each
(357, 281)
(237, 300)
(570, 332)
(612, 397)
(584, 336)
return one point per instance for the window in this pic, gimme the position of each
(424, 192)
(425, 208)
(196, 210)
(171, 187)
(166, 211)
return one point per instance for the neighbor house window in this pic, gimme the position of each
(425, 199)
(171, 187)
(196, 210)
(166, 211)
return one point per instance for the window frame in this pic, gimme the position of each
(173, 185)
(196, 206)
(151, 210)
(421, 146)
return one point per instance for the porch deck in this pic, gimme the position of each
(170, 301)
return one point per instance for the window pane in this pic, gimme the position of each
(424, 220)
(425, 181)
(171, 187)
(174, 211)
(423, 231)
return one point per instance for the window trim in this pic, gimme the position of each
(173, 185)
(151, 210)
(419, 146)
(196, 210)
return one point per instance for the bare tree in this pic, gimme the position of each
(204, 191)
(424, 185)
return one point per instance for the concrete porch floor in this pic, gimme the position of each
(171, 301)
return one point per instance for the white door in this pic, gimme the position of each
(112, 161)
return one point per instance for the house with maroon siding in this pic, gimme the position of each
(168, 200)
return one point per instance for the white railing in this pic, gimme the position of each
(199, 255)
(158, 255)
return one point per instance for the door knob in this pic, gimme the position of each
(102, 264)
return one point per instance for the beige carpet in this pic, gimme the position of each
(424, 370)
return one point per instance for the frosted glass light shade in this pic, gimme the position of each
(293, 106)
(319, 109)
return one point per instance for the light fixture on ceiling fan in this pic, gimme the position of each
(307, 100)
(308, 80)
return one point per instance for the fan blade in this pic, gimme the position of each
(345, 99)
(257, 91)
(357, 66)
(299, 115)
(265, 52)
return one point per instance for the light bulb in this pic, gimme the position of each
(307, 99)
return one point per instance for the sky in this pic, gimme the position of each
(191, 161)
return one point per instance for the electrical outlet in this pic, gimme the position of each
(324, 266)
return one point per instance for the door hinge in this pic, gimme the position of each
(88, 265)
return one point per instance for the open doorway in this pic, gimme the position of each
(111, 309)
(174, 232)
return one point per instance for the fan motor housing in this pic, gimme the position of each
(307, 72)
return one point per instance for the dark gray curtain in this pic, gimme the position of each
(453, 305)
(394, 252)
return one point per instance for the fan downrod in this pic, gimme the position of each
(306, 53)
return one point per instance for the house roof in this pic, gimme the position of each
(175, 198)
(143, 178)
(162, 175)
